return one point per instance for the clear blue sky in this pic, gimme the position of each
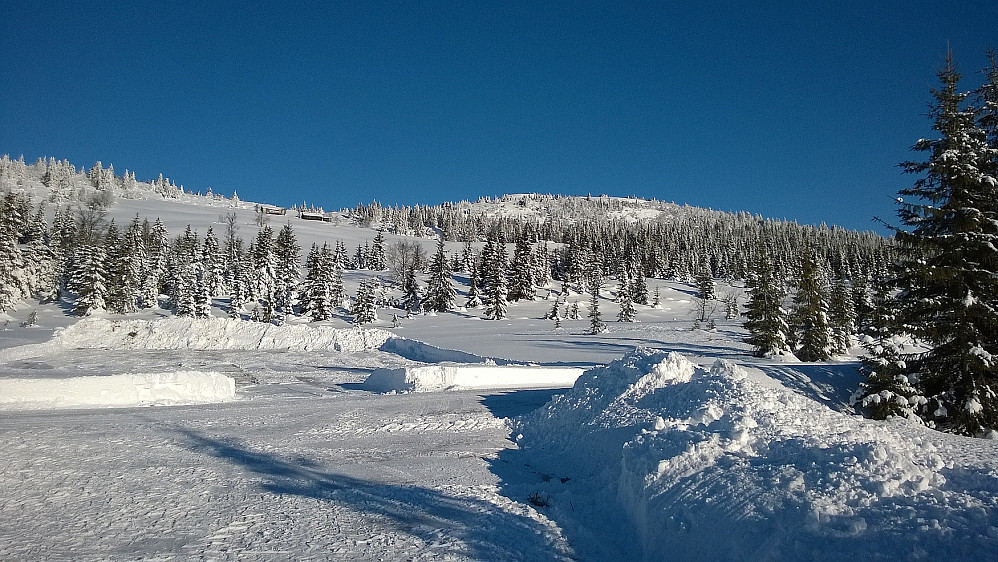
(792, 110)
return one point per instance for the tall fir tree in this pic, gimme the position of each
(440, 294)
(766, 320)
(948, 273)
(810, 317)
(595, 283)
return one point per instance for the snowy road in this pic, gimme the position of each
(300, 469)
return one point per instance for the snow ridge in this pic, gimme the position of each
(214, 334)
(719, 464)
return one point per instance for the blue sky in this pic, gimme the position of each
(786, 111)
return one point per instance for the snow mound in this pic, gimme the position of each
(724, 464)
(429, 378)
(181, 387)
(215, 333)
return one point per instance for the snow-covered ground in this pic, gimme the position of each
(674, 443)
(657, 456)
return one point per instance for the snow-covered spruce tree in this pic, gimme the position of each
(120, 296)
(333, 265)
(639, 288)
(949, 267)
(411, 300)
(841, 318)
(13, 285)
(474, 297)
(264, 271)
(495, 286)
(364, 309)
(90, 278)
(624, 298)
(377, 260)
(705, 282)
(810, 316)
(214, 264)
(596, 325)
(440, 294)
(887, 391)
(766, 320)
(287, 254)
(521, 271)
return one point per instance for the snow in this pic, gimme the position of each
(723, 464)
(430, 378)
(146, 389)
(269, 443)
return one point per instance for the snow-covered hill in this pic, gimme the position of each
(675, 443)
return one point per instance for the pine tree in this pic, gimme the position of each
(474, 298)
(364, 309)
(887, 391)
(378, 261)
(841, 318)
(625, 300)
(440, 294)
(287, 254)
(496, 283)
(949, 270)
(521, 286)
(90, 279)
(810, 317)
(766, 320)
(596, 325)
(705, 283)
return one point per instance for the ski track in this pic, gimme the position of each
(298, 468)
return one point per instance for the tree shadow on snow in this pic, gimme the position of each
(483, 530)
(830, 384)
(518, 402)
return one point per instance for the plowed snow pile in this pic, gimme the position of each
(215, 333)
(727, 464)
(183, 387)
(428, 378)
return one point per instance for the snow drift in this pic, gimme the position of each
(181, 387)
(214, 334)
(727, 464)
(430, 378)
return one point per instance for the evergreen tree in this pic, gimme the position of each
(841, 318)
(364, 308)
(90, 279)
(949, 270)
(496, 287)
(705, 283)
(766, 320)
(378, 261)
(887, 391)
(440, 294)
(625, 300)
(474, 298)
(810, 316)
(522, 271)
(287, 254)
(596, 325)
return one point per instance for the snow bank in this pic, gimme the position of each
(214, 333)
(430, 378)
(724, 464)
(182, 387)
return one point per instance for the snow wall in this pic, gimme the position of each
(181, 387)
(430, 378)
(726, 464)
(214, 334)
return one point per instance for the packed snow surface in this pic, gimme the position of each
(726, 464)
(428, 378)
(182, 387)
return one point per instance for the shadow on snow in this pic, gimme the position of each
(483, 530)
